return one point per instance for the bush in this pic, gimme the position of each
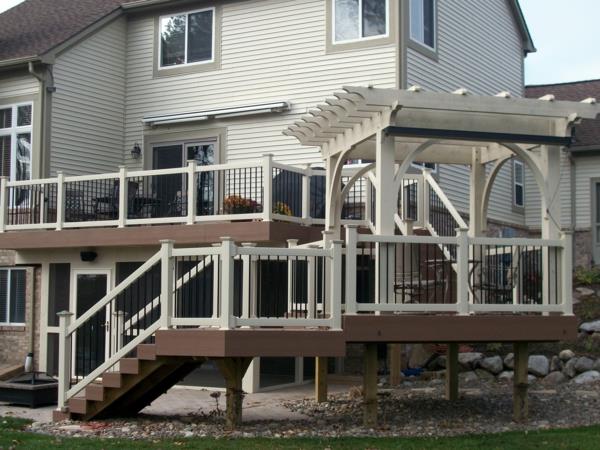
(235, 204)
(587, 277)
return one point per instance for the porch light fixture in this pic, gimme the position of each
(136, 151)
(220, 113)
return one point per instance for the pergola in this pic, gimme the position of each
(395, 128)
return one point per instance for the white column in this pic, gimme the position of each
(166, 283)
(477, 223)
(60, 200)
(123, 196)
(351, 268)
(267, 168)
(228, 251)
(3, 203)
(332, 195)
(247, 295)
(306, 195)
(192, 192)
(566, 268)
(290, 277)
(462, 272)
(64, 358)
(335, 296)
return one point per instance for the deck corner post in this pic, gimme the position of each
(370, 386)
(462, 275)
(3, 203)
(351, 255)
(167, 283)
(64, 359)
(452, 372)
(336, 285)
(60, 200)
(566, 279)
(192, 191)
(228, 252)
(267, 167)
(123, 196)
(321, 364)
(233, 370)
(396, 363)
(520, 383)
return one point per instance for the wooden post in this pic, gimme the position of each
(520, 384)
(64, 359)
(452, 372)
(370, 386)
(167, 267)
(233, 370)
(321, 379)
(395, 364)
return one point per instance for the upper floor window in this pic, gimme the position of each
(16, 123)
(519, 183)
(422, 22)
(187, 38)
(12, 296)
(356, 20)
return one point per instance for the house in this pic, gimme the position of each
(137, 134)
(583, 169)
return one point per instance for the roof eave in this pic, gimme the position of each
(17, 62)
(528, 45)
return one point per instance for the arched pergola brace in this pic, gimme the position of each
(489, 184)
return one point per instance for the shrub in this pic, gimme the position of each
(587, 277)
(235, 204)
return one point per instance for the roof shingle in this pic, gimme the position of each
(588, 133)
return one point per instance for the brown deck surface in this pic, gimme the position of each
(207, 233)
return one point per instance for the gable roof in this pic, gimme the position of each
(35, 27)
(587, 135)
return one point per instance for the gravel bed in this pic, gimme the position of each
(413, 409)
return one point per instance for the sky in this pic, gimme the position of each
(564, 32)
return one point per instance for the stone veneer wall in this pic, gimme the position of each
(583, 249)
(17, 341)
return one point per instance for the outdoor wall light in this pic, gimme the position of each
(136, 151)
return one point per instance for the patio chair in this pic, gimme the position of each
(496, 280)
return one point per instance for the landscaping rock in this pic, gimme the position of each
(438, 363)
(493, 364)
(556, 364)
(554, 378)
(590, 327)
(509, 361)
(569, 369)
(596, 365)
(587, 377)
(419, 354)
(538, 365)
(506, 376)
(585, 292)
(484, 375)
(584, 364)
(467, 377)
(469, 360)
(566, 355)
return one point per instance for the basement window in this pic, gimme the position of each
(356, 20)
(12, 296)
(187, 38)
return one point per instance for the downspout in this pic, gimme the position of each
(573, 200)
(46, 80)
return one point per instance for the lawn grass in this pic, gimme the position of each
(13, 436)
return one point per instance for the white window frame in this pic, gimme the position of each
(420, 40)
(421, 166)
(5, 321)
(360, 24)
(186, 14)
(516, 163)
(13, 132)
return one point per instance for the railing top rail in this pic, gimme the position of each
(294, 251)
(37, 182)
(294, 169)
(447, 203)
(196, 251)
(144, 173)
(521, 242)
(100, 176)
(413, 239)
(113, 293)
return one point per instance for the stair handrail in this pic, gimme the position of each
(433, 184)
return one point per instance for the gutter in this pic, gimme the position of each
(19, 61)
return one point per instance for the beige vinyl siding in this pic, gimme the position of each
(271, 50)
(18, 85)
(480, 49)
(89, 104)
(586, 169)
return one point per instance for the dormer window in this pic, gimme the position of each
(356, 20)
(423, 22)
(187, 38)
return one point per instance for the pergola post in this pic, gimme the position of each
(477, 222)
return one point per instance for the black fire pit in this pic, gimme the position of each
(31, 389)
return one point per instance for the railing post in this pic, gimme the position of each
(64, 358)
(335, 296)
(425, 196)
(228, 252)
(462, 271)
(166, 286)
(117, 331)
(192, 192)
(566, 268)
(290, 277)
(306, 195)
(123, 196)
(216, 284)
(60, 200)
(311, 277)
(351, 269)
(247, 295)
(368, 200)
(3, 203)
(267, 187)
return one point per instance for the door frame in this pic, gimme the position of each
(73, 301)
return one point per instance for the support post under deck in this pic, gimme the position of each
(520, 383)
(233, 370)
(370, 386)
(452, 372)
(321, 379)
(395, 364)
